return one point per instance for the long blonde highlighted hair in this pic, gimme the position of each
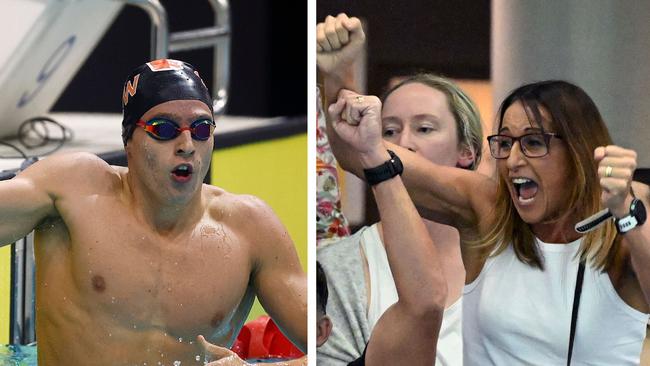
(575, 117)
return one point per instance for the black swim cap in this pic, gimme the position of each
(157, 82)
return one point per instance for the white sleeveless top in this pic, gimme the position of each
(383, 294)
(515, 314)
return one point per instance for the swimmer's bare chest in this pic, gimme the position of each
(116, 270)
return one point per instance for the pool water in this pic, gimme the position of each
(18, 355)
(26, 356)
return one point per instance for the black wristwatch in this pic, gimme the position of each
(391, 168)
(636, 217)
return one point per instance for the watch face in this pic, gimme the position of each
(638, 210)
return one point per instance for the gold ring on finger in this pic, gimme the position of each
(608, 171)
(359, 99)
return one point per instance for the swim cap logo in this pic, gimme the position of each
(130, 89)
(165, 64)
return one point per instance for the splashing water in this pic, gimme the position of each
(14, 355)
(18, 355)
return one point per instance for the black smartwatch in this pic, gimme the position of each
(391, 168)
(636, 217)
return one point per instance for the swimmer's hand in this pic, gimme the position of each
(339, 42)
(222, 356)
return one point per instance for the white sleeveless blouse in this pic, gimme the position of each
(515, 314)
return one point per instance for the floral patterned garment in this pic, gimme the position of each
(330, 221)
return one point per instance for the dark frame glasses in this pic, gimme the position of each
(164, 129)
(533, 145)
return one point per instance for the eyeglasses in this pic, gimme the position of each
(164, 129)
(533, 145)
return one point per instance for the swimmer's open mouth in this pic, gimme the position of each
(526, 189)
(182, 171)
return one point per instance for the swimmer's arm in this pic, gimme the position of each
(278, 278)
(638, 242)
(26, 200)
(407, 332)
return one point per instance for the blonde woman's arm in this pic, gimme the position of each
(407, 331)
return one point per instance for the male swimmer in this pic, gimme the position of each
(135, 264)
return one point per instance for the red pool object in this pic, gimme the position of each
(261, 338)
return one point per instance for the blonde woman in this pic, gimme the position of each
(432, 117)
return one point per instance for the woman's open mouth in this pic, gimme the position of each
(526, 189)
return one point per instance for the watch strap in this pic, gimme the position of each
(636, 217)
(627, 223)
(389, 169)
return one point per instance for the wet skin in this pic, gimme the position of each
(133, 264)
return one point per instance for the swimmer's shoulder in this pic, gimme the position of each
(216, 198)
(246, 207)
(71, 163)
(256, 226)
(71, 170)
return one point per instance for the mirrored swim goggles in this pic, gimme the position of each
(164, 129)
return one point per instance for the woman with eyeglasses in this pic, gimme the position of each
(537, 290)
